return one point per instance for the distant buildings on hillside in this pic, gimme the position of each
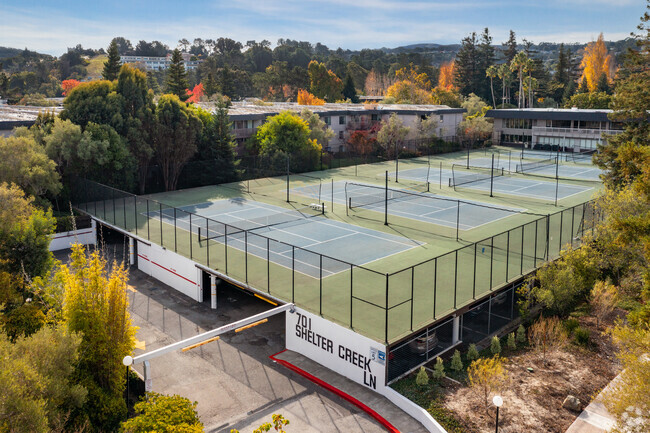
(161, 63)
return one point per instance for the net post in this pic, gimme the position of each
(322, 209)
(557, 177)
(199, 234)
(386, 201)
(457, 218)
(491, 177)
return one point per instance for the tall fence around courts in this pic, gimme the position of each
(383, 306)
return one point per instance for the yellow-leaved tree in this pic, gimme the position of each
(446, 77)
(95, 305)
(487, 375)
(596, 62)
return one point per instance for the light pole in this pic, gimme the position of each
(127, 360)
(498, 402)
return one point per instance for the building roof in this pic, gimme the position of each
(550, 114)
(12, 116)
(246, 110)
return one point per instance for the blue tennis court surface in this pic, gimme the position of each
(293, 240)
(577, 172)
(538, 189)
(423, 207)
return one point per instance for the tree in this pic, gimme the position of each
(24, 234)
(547, 335)
(217, 144)
(466, 66)
(349, 92)
(438, 369)
(112, 64)
(196, 94)
(519, 64)
(422, 378)
(511, 342)
(124, 46)
(323, 82)
(505, 74)
(68, 85)
(495, 345)
(95, 305)
(36, 378)
(177, 83)
(287, 135)
(510, 47)
(591, 100)
(136, 108)
(456, 361)
(306, 98)
(361, 143)
(163, 413)
(426, 128)
(318, 129)
(521, 334)
(604, 297)
(492, 72)
(596, 63)
(446, 77)
(26, 164)
(177, 129)
(628, 397)
(96, 102)
(392, 134)
(472, 352)
(486, 375)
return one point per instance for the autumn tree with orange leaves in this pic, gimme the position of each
(68, 85)
(596, 62)
(446, 78)
(411, 87)
(196, 93)
(306, 98)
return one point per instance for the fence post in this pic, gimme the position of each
(412, 289)
(386, 307)
(435, 284)
(351, 294)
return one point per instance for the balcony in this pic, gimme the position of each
(244, 132)
(573, 132)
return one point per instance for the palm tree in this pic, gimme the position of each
(504, 74)
(519, 64)
(528, 67)
(492, 72)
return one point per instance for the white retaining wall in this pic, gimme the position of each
(172, 269)
(64, 240)
(414, 410)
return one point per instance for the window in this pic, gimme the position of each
(327, 120)
(441, 117)
(341, 120)
(374, 117)
(340, 135)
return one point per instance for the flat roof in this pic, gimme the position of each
(550, 114)
(246, 110)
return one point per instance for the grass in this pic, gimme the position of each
(96, 66)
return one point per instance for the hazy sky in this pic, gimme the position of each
(52, 25)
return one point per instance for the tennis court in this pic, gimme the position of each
(563, 171)
(287, 238)
(418, 206)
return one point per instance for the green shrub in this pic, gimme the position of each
(570, 325)
(472, 352)
(439, 369)
(512, 345)
(422, 379)
(456, 362)
(581, 336)
(495, 345)
(521, 334)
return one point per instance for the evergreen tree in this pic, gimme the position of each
(226, 82)
(467, 66)
(112, 64)
(211, 86)
(562, 67)
(485, 53)
(222, 144)
(152, 82)
(603, 84)
(177, 83)
(349, 92)
(510, 47)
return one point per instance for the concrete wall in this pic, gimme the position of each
(64, 240)
(172, 269)
(340, 349)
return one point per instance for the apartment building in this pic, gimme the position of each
(344, 119)
(576, 129)
(161, 63)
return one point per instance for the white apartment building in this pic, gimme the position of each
(344, 119)
(577, 129)
(161, 63)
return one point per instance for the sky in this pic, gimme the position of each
(50, 26)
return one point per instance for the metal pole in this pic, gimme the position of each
(497, 423)
(468, 156)
(386, 201)
(396, 164)
(457, 218)
(440, 174)
(287, 178)
(332, 208)
(557, 177)
(386, 307)
(491, 177)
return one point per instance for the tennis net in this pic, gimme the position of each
(583, 157)
(217, 230)
(462, 175)
(524, 167)
(362, 195)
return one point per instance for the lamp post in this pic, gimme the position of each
(127, 360)
(498, 402)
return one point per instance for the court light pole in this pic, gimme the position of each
(498, 402)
